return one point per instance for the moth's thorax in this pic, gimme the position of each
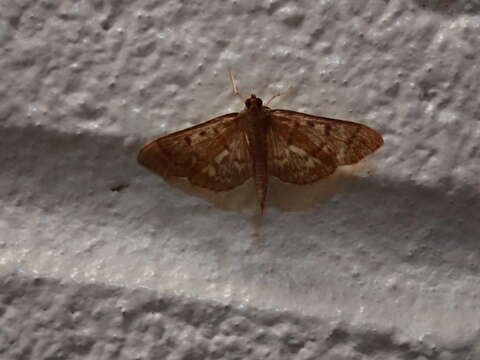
(256, 116)
(256, 121)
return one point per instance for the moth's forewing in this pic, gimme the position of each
(212, 155)
(305, 148)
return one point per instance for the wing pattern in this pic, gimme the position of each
(305, 148)
(213, 155)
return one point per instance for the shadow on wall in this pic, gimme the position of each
(78, 172)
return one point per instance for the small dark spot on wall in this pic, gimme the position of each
(107, 23)
(119, 187)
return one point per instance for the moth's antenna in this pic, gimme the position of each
(234, 85)
(278, 95)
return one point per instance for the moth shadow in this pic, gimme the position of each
(282, 196)
(240, 199)
(296, 198)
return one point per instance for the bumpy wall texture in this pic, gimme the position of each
(100, 259)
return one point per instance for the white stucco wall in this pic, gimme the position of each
(101, 259)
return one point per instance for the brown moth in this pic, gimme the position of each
(224, 152)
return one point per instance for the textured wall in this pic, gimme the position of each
(100, 259)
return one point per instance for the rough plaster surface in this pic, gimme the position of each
(101, 259)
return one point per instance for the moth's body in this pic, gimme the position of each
(224, 152)
(255, 120)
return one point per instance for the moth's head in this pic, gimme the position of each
(253, 103)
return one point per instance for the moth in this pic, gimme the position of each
(259, 142)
